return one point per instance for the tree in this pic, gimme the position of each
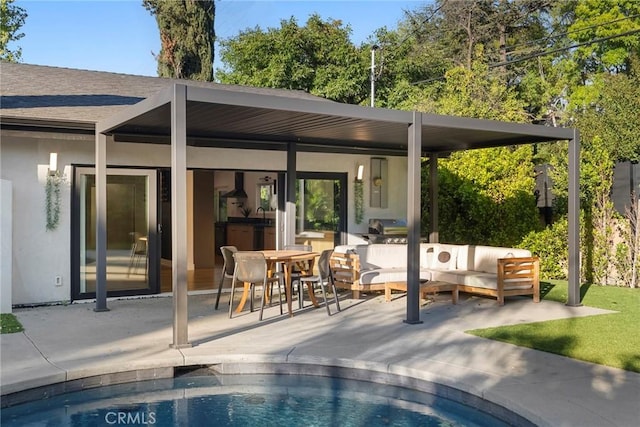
(451, 32)
(12, 18)
(601, 19)
(613, 115)
(318, 58)
(187, 37)
(458, 27)
(405, 56)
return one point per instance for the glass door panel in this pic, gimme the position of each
(320, 209)
(131, 236)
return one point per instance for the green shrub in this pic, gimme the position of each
(486, 197)
(551, 246)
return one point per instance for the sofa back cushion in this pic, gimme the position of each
(373, 256)
(427, 253)
(485, 258)
(384, 256)
(439, 256)
(445, 257)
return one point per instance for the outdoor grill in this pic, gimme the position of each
(387, 231)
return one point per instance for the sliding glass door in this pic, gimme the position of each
(132, 266)
(321, 214)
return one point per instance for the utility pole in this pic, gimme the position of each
(373, 74)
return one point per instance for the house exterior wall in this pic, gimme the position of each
(38, 255)
(6, 221)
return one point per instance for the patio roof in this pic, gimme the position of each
(220, 118)
(184, 115)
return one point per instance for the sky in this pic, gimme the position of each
(121, 36)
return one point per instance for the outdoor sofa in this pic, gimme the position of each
(483, 270)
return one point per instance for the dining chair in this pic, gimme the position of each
(138, 253)
(296, 272)
(323, 278)
(227, 268)
(251, 267)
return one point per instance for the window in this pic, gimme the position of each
(266, 198)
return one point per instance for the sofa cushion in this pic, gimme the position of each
(443, 275)
(445, 257)
(427, 251)
(384, 256)
(384, 275)
(485, 258)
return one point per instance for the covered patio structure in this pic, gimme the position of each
(185, 115)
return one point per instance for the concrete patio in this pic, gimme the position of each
(66, 343)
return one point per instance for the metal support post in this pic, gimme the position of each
(573, 298)
(434, 236)
(179, 216)
(413, 219)
(101, 223)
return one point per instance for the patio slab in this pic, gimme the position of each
(368, 338)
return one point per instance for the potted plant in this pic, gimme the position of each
(246, 211)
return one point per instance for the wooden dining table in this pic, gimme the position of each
(304, 260)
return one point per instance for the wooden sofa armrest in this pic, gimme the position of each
(526, 270)
(345, 269)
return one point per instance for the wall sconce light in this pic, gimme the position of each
(360, 173)
(379, 182)
(53, 164)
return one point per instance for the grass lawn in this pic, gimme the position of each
(9, 324)
(610, 339)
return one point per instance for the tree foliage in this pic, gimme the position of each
(613, 114)
(12, 18)
(486, 197)
(187, 37)
(318, 58)
(601, 19)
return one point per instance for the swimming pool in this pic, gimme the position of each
(247, 400)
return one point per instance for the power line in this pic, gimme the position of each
(538, 54)
(548, 52)
(550, 37)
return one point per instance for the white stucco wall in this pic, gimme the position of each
(6, 220)
(38, 255)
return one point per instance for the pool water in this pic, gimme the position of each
(247, 400)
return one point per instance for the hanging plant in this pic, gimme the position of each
(358, 190)
(52, 203)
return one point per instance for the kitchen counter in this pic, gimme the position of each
(248, 234)
(253, 221)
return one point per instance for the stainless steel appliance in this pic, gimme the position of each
(387, 231)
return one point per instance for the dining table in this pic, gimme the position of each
(288, 259)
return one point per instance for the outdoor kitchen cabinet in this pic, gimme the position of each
(240, 236)
(269, 237)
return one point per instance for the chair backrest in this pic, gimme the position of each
(323, 264)
(227, 256)
(250, 266)
(296, 268)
